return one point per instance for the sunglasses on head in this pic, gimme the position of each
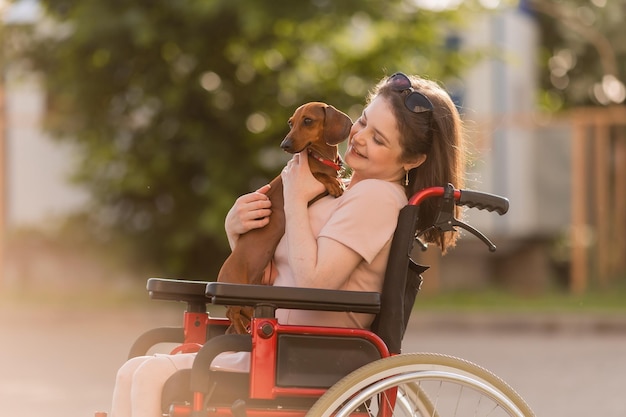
(414, 101)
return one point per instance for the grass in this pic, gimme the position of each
(607, 301)
(613, 301)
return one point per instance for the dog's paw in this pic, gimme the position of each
(334, 188)
(239, 319)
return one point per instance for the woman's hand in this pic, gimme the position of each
(315, 262)
(299, 184)
(250, 211)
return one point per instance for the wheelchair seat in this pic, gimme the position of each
(301, 361)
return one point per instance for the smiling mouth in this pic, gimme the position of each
(357, 152)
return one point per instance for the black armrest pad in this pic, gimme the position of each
(177, 290)
(220, 293)
(295, 298)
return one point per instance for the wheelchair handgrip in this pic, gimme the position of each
(483, 201)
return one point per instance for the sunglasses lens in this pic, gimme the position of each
(415, 101)
(399, 82)
(418, 103)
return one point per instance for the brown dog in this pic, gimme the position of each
(315, 127)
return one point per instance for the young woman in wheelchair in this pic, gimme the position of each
(408, 137)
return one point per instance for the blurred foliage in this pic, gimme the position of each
(583, 53)
(178, 107)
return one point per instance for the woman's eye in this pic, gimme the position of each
(376, 140)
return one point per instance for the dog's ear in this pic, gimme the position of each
(336, 126)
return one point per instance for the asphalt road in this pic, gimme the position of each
(61, 362)
(559, 372)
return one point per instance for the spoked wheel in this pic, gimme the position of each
(424, 385)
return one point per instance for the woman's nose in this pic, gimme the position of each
(355, 134)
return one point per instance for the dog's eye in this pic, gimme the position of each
(307, 121)
(290, 123)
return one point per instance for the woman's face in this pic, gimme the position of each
(374, 146)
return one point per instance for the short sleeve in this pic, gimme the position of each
(366, 217)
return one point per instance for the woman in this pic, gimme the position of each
(408, 137)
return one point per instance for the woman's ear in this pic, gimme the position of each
(415, 162)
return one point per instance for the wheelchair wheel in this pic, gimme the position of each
(421, 384)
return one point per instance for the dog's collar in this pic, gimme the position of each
(336, 165)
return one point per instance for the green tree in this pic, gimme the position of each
(179, 106)
(583, 53)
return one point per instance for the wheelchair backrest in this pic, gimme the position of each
(402, 282)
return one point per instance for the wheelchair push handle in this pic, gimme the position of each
(451, 197)
(469, 198)
(483, 201)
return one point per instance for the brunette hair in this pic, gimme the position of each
(438, 134)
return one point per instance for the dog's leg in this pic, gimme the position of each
(252, 254)
(332, 184)
(254, 250)
(239, 319)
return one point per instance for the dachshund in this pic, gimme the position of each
(316, 128)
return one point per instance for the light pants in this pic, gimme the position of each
(139, 383)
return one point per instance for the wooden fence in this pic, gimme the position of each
(598, 230)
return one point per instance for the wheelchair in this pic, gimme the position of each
(323, 371)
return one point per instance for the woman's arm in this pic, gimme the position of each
(250, 211)
(305, 251)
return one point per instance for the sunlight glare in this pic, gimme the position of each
(490, 4)
(437, 5)
(613, 89)
(210, 81)
(257, 122)
(20, 12)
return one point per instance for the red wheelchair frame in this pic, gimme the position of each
(275, 348)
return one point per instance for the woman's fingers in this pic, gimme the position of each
(257, 223)
(250, 211)
(264, 189)
(298, 181)
(255, 213)
(253, 210)
(253, 197)
(294, 165)
(259, 207)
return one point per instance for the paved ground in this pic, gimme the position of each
(564, 366)
(59, 362)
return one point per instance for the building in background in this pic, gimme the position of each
(513, 153)
(38, 169)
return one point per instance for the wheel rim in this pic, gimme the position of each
(425, 385)
(376, 388)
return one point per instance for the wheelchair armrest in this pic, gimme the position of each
(177, 290)
(222, 293)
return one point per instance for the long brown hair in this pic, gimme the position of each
(438, 135)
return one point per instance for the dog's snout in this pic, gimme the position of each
(286, 144)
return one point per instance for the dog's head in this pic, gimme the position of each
(316, 124)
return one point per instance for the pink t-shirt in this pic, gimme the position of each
(364, 219)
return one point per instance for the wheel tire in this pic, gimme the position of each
(426, 383)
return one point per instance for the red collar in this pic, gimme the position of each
(336, 165)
